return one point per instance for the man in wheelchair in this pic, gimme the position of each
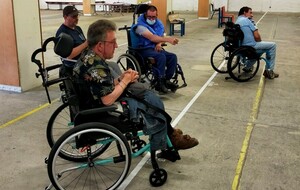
(252, 38)
(95, 71)
(147, 36)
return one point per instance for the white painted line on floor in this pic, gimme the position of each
(174, 123)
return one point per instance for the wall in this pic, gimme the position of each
(20, 36)
(186, 5)
(263, 5)
(233, 5)
(28, 35)
(9, 75)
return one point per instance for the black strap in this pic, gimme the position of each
(163, 112)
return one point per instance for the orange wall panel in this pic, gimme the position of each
(203, 8)
(161, 6)
(9, 72)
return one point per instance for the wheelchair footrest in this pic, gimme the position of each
(171, 155)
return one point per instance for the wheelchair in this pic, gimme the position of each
(240, 62)
(97, 143)
(133, 59)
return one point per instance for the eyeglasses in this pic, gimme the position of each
(114, 42)
(151, 17)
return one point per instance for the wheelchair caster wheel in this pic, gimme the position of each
(158, 177)
(46, 160)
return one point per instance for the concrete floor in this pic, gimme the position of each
(226, 116)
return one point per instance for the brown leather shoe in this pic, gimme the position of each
(179, 131)
(182, 142)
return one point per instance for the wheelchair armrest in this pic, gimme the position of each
(98, 110)
(137, 49)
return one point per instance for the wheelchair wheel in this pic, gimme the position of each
(59, 123)
(126, 61)
(243, 64)
(158, 177)
(218, 56)
(104, 171)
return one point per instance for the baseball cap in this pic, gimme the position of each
(70, 11)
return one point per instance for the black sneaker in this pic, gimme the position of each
(270, 74)
(248, 69)
(161, 88)
(171, 155)
(172, 86)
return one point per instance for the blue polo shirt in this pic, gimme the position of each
(248, 28)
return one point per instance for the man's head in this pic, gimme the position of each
(246, 11)
(70, 14)
(101, 37)
(151, 15)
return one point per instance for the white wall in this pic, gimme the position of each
(233, 5)
(185, 5)
(263, 5)
(28, 39)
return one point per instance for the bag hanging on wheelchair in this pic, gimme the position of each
(137, 89)
(233, 34)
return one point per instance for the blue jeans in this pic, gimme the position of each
(165, 62)
(156, 124)
(270, 49)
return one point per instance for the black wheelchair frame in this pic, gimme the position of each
(96, 144)
(133, 59)
(240, 62)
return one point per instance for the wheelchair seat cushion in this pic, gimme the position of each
(249, 52)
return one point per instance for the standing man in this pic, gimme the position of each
(252, 38)
(70, 14)
(148, 35)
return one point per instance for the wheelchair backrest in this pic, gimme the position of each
(233, 35)
(63, 45)
(133, 39)
(140, 9)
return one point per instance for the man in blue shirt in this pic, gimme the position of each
(70, 14)
(252, 38)
(148, 34)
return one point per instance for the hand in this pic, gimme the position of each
(130, 76)
(173, 41)
(158, 47)
(134, 76)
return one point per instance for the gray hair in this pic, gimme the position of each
(97, 31)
